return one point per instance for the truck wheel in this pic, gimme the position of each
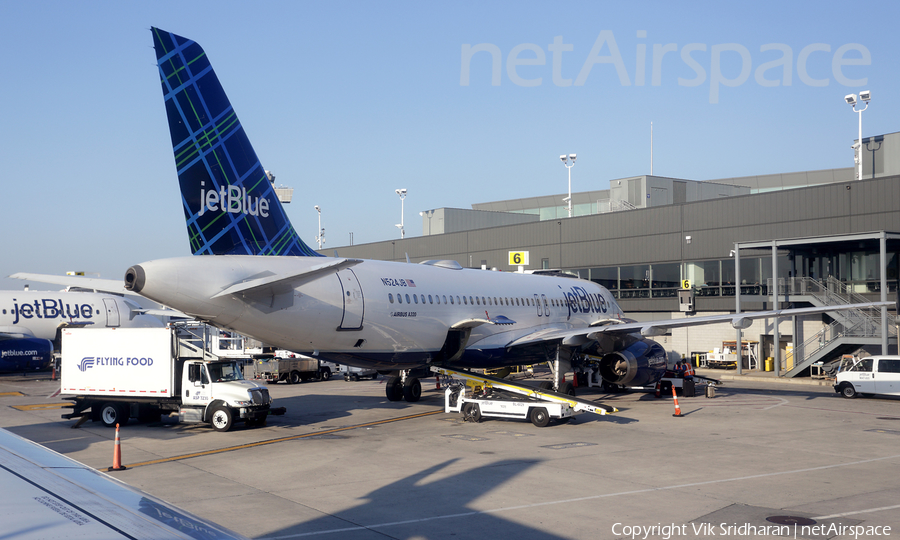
(546, 385)
(539, 417)
(393, 389)
(355, 377)
(221, 419)
(476, 413)
(295, 377)
(848, 391)
(114, 413)
(325, 374)
(412, 390)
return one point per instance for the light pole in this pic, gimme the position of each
(320, 238)
(565, 159)
(428, 214)
(402, 193)
(865, 95)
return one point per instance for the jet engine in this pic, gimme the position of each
(641, 363)
(25, 354)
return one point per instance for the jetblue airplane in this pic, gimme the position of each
(30, 322)
(252, 273)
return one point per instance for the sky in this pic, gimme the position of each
(458, 102)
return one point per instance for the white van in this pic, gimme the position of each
(872, 375)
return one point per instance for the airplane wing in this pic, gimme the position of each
(656, 328)
(265, 286)
(49, 496)
(116, 286)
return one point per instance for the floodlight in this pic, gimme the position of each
(850, 99)
(865, 95)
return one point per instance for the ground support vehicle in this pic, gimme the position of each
(292, 370)
(352, 373)
(477, 395)
(114, 374)
(873, 375)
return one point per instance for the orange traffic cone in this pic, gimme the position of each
(657, 389)
(677, 408)
(117, 454)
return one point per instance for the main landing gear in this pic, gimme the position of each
(405, 385)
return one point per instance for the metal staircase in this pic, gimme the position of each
(850, 330)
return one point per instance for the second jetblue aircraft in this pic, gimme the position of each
(251, 272)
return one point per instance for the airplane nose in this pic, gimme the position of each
(135, 279)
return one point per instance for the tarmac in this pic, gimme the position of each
(764, 458)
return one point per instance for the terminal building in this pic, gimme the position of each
(811, 238)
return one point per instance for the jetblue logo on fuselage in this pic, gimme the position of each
(581, 301)
(48, 308)
(232, 199)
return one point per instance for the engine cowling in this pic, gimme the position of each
(642, 363)
(25, 354)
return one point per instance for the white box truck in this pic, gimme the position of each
(871, 375)
(122, 373)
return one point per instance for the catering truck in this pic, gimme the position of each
(870, 375)
(122, 373)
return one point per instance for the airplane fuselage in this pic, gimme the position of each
(40, 313)
(382, 314)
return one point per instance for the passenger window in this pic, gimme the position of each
(465, 301)
(451, 298)
(399, 299)
(407, 299)
(477, 300)
(429, 299)
(391, 297)
(445, 298)
(471, 301)
(889, 366)
(457, 300)
(415, 299)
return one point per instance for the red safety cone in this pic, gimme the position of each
(657, 389)
(437, 382)
(53, 376)
(117, 454)
(677, 408)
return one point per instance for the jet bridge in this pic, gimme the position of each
(520, 392)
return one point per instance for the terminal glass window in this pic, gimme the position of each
(634, 281)
(608, 277)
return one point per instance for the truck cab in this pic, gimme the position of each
(870, 375)
(218, 388)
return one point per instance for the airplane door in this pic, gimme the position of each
(112, 312)
(353, 300)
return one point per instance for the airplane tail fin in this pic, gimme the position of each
(229, 203)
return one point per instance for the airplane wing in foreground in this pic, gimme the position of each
(47, 495)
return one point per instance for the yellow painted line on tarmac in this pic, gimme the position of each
(41, 406)
(281, 439)
(11, 394)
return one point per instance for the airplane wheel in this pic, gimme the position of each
(546, 385)
(539, 417)
(568, 389)
(412, 390)
(848, 391)
(393, 389)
